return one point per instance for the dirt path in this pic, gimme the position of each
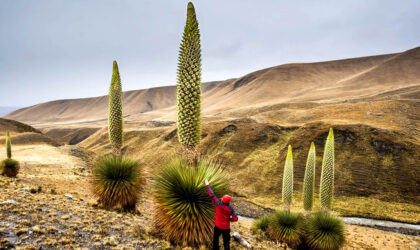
(50, 219)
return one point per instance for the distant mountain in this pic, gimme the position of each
(7, 109)
(320, 82)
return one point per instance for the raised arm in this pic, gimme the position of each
(211, 193)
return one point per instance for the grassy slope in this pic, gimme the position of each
(375, 172)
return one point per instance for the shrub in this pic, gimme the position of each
(189, 83)
(9, 167)
(286, 226)
(325, 231)
(261, 224)
(185, 213)
(115, 113)
(117, 182)
(287, 190)
(309, 179)
(327, 174)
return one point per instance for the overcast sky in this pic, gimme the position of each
(56, 49)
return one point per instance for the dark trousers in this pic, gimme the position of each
(226, 238)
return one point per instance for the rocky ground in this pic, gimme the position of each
(49, 206)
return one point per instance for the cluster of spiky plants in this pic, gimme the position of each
(185, 213)
(286, 226)
(9, 167)
(309, 180)
(115, 113)
(324, 231)
(287, 190)
(327, 173)
(117, 181)
(189, 83)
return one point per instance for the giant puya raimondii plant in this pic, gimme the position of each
(287, 190)
(309, 180)
(327, 174)
(115, 114)
(189, 83)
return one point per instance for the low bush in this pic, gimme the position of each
(9, 167)
(324, 231)
(117, 181)
(261, 224)
(287, 227)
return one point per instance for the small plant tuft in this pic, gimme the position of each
(9, 167)
(287, 227)
(117, 182)
(261, 224)
(325, 231)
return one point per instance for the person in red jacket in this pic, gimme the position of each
(224, 215)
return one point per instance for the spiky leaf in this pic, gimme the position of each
(287, 190)
(327, 173)
(115, 114)
(309, 179)
(185, 213)
(189, 83)
(8, 145)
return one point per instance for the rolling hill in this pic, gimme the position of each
(373, 104)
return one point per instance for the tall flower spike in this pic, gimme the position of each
(327, 174)
(8, 145)
(189, 83)
(115, 114)
(309, 180)
(287, 190)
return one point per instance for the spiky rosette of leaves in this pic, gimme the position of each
(287, 227)
(189, 83)
(8, 145)
(327, 173)
(115, 113)
(117, 181)
(185, 213)
(287, 190)
(325, 231)
(309, 179)
(9, 167)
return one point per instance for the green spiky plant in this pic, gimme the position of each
(115, 113)
(286, 226)
(327, 174)
(309, 180)
(261, 223)
(287, 190)
(8, 145)
(117, 181)
(9, 167)
(189, 83)
(184, 211)
(324, 231)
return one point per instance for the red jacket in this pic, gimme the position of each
(224, 212)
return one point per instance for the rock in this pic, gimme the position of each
(68, 196)
(110, 241)
(37, 229)
(10, 202)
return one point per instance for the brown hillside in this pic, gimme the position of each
(330, 81)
